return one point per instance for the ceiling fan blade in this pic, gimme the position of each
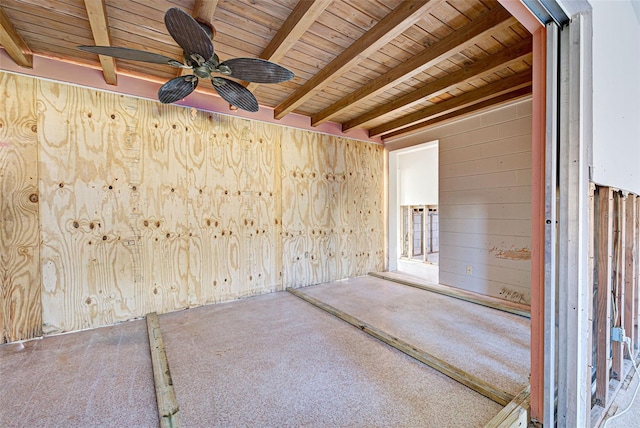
(256, 70)
(188, 34)
(177, 88)
(131, 54)
(235, 94)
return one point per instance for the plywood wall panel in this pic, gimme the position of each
(73, 230)
(159, 213)
(364, 181)
(20, 306)
(332, 216)
(234, 205)
(149, 207)
(113, 176)
(338, 241)
(304, 209)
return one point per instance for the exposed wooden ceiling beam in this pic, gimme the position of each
(203, 11)
(481, 94)
(490, 21)
(97, 12)
(391, 26)
(297, 23)
(13, 43)
(476, 70)
(475, 108)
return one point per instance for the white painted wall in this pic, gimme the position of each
(616, 93)
(484, 200)
(418, 175)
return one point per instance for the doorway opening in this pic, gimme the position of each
(413, 211)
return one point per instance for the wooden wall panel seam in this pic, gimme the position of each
(154, 208)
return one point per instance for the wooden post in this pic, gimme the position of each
(425, 235)
(604, 251)
(168, 410)
(410, 232)
(630, 285)
(515, 413)
(619, 203)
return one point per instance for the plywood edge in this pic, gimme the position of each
(468, 296)
(514, 414)
(467, 379)
(168, 409)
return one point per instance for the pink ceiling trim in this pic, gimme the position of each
(144, 87)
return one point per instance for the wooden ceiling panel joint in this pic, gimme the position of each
(484, 93)
(391, 26)
(434, 54)
(476, 70)
(458, 114)
(97, 13)
(297, 23)
(13, 43)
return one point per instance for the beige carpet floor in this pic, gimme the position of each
(277, 361)
(92, 378)
(487, 343)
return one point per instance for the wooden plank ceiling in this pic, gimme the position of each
(388, 66)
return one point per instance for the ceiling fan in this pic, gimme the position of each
(195, 41)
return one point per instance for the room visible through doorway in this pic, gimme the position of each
(413, 211)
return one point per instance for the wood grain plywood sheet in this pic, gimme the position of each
(20, 307)
(332, 214)
(366, 222)
(148, 207)
(234, 168)
(305, 208)
(338, 262)
(114, 211)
